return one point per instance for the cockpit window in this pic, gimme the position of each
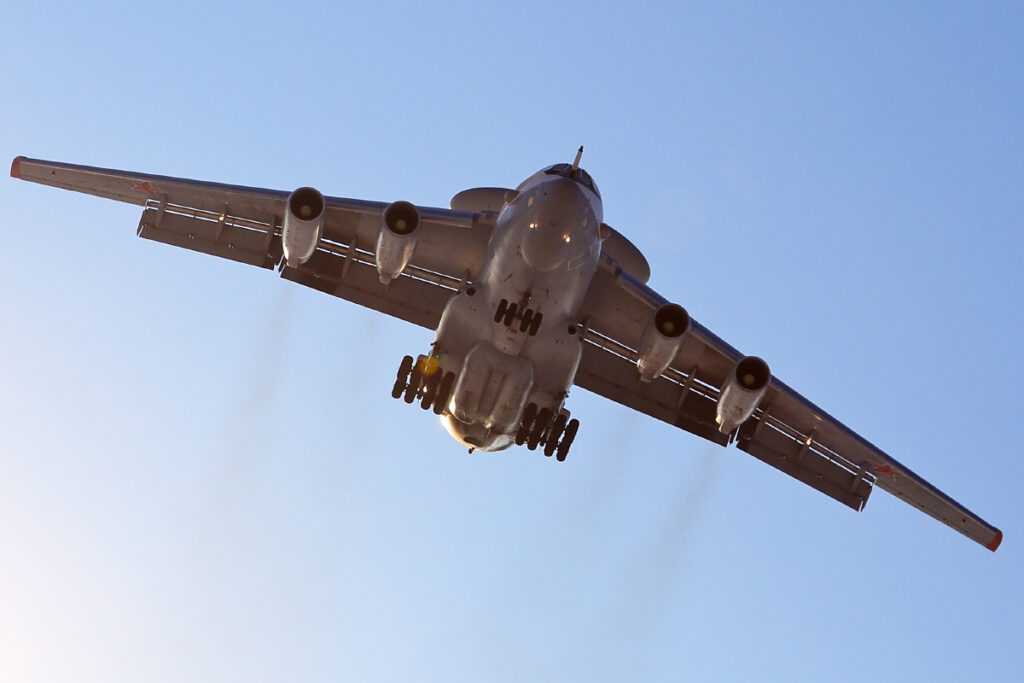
(579, 175)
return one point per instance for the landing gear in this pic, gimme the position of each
(444, 393)
(529, 414)
(567, 439)
(425, 380)
(524, 324)
(556, 431)
(530, 322)
(430, 386)
(403, 377)
(505, 313)
(542, 427)
(415, 381)
(529, 319)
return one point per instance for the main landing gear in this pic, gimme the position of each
(542, 427)
(510, 314)
(425, 380)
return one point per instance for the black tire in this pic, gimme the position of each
(430, 389)
(570, 435)
(555, 434)
(499, 313)
(510, 315)
(415, 379)
(529, 413)
(524, 322)
(444, 393)
(403, 376)
(540, 425)
(535, 324)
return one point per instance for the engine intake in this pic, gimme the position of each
(396, 239)
(303, 223)
(743, 390)
(661, 341)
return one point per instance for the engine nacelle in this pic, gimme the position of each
(396, 239)
(743, 390)
(303, 223)
(661, 341)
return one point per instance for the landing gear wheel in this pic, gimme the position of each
(403, 376)
(539, 427)
(527, 318)
(535, 324)
(500, 312)
(555, 434)
(444, 393)
(430, 389)
(414, 384)
(510, 315)
(570, 434)
(524, 426)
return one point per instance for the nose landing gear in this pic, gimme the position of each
(542, 427)
(425, 380)
(529, 320)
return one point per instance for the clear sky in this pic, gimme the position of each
(203, 476)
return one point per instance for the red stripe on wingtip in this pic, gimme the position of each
(995, 541)
(16, 167)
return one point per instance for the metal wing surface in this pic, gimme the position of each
(244, 224)
(786, 431)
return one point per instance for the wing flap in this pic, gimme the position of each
(353, 276)
(231, 238)
(848, 484)
(614, 377)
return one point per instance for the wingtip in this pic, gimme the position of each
(16, 167)
(995, 541)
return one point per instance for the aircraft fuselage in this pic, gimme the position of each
(511, 337)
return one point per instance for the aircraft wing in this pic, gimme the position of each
(786, 431)
(244, 224)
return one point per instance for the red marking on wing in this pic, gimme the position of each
(144, 186)
(995, 541)
(16, 167)
(886, 469)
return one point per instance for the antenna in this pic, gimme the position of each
(576, 164)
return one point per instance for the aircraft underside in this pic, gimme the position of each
(508, 345)
(530, 293)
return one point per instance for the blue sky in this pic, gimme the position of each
(204, 476)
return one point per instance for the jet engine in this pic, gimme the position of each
(303, 223)
(743, 390)
(396, 239)
(661, 340)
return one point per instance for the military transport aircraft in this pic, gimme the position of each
(530, 292)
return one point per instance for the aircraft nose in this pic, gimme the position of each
(546, 245)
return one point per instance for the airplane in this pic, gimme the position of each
(530, 294)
